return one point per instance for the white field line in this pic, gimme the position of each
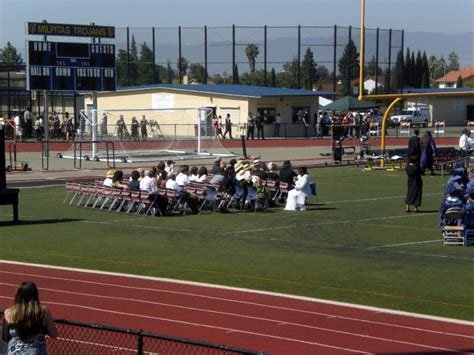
(97, 345)
(202, 325)
(402, 244)
(160, 228)
(237, 301)
(377, 198)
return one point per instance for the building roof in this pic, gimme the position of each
(233, 90)
(453, 76)
(436, 90)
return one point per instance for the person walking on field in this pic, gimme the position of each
(228, 126)
(428, 152)
(27, 323)
(143, 129)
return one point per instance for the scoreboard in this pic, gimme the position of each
(61, 66)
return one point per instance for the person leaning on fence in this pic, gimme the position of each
(27, 323)
(143, 128)
(134, 128)
(465, 142)
(250, 126)
(277, 125)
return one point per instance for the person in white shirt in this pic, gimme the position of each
(169, 166)
(148, 183)
(18, 127)
(277, 125)
(296, 199)
(172, 184)
(182, 179)
(202, 175)
(465, 142)
(193, 174)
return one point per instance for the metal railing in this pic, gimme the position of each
(84, 338)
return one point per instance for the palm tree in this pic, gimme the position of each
(251, 51)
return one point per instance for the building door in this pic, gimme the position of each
(470, 112)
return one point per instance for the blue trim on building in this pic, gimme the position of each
(234, 90)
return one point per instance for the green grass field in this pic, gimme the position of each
(356, 245)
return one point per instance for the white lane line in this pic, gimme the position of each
(270, 320)
(377, 310)
(402, 244)
(202, 325)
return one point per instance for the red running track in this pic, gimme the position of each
(276, 324)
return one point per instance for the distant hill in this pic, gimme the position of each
(439, 44)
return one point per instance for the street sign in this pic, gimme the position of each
(61, 66)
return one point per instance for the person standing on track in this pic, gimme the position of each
(27, 322)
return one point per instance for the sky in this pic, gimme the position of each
(440, 16)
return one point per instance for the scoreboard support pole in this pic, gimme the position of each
(95, 150)
(45, 124)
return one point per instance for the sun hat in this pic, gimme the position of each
(110, 174)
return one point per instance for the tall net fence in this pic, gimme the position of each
(249, 54)
(82, 338)
(145, 135)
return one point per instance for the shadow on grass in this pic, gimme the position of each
(38, 222)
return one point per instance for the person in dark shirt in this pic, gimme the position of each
(414, 148)
(287, 174)
(134, 184)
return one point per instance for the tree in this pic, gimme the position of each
(348, 66)
(182, 65)
(251, 51)
(289, 77)
(235, 75)
(398, 72)
(197, 72)
(459, 82)
(413, 70)
(308, 70)
(168, 73)
(122, 68)
(372, 69)
(418, 70)
(273, 78)
(133, 64)
(407, 75)
(322, 73)
(145, 66)
(453, 61)
(386, 82)
(10, 55)
(425, 78)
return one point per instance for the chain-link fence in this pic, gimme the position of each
(82, 338)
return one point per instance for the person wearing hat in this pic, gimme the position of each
(243, 177)
(216, 166)
(108, 178)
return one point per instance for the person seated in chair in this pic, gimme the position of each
(296, 200)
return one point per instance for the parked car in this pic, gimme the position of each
(414, 116)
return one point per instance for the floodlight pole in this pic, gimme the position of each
(362, 50)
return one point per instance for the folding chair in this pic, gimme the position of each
(116, 195)
(107, 194)
(453, 226)
(210, 199)
(70, 190)
(75, 189)
(134, 200)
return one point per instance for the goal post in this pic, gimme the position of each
(150, 134)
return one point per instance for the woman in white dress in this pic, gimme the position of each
(297, 197)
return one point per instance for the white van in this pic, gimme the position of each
(414, 116)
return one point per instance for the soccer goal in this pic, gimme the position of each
(140, 135)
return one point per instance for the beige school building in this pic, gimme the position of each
(167, 103)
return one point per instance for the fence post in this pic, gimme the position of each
(140, 342)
